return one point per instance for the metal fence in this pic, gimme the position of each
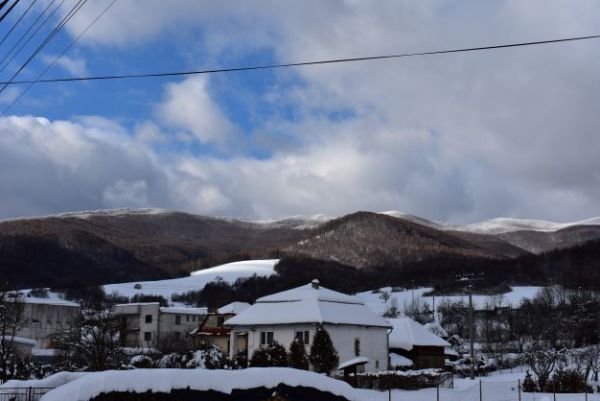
(23, 393)
(505, 391)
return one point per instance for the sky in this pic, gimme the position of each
(456, 138)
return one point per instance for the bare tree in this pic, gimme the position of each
(417, 309)
(12, 319)
(542, 362)
(92, 342)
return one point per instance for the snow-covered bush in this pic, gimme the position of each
(273, 355)
(208, 357)
(141, 362)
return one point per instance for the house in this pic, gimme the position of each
(411, 340)
(144, 324)
(213, 331)
(44, 317)
(354, 329)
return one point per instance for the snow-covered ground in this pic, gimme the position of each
(378, 305)
(82, 387)
(196, 281)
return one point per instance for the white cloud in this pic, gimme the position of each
(456, 137)
(189, 106)
(76, 66)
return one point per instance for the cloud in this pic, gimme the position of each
(189, 106)
(76, 66)
(456, 137)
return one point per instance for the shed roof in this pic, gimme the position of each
(408, 333)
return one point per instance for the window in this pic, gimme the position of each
(220, 321)
(266, 338)
(357, 346)
(148, 318)
(147, 336)
(304, 336)
(187, 318)
(377, 364)
(193, 318)
(177, 319)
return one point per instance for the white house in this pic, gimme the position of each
(44, 317)
(354, 329)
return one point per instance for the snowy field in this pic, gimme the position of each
(82, 387)
(196, 281)
(378, 305)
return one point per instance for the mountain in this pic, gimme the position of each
(127, 245)
(365, 239)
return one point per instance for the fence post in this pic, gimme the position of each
(519, 388)
(554, 390)
(438, 393)
(30, 394)
(480, 391)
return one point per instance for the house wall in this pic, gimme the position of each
(373, 341)
(134, 326)
(42, 321)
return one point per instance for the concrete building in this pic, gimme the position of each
(410, 340)
(44, 317)
(354, 329)
(144, 324)
(213, 331)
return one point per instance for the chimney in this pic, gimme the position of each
(315, 284)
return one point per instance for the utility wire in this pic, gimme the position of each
(299, 64)
(17, 22)
(8, 58)
(66, 49)
(9, 10)
(51, 35)
(3, 4)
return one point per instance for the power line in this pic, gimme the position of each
(8, 58)
(17, 22)
(3, 4)
(9, 10)
(66, 49)
(51, 35)
(299, 64)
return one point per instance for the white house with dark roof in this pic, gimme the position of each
(354, 329)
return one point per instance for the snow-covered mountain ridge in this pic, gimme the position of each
(497, 225)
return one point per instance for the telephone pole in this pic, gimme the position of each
(471, 331)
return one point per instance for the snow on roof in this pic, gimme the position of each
(361, 360)
(399, 361)
(184, 311)
(309, 291)
(44, 352)
(50, 301)
(307, 304)
(165, 380)
(233, 308)
(20, 340)
(407, 333)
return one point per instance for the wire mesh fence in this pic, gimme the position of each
(481, 390)
(23, 393)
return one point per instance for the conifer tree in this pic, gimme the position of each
(323, 356)
(298, 358)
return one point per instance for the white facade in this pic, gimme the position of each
(43, 318)
(354, 330)
(142, 324)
